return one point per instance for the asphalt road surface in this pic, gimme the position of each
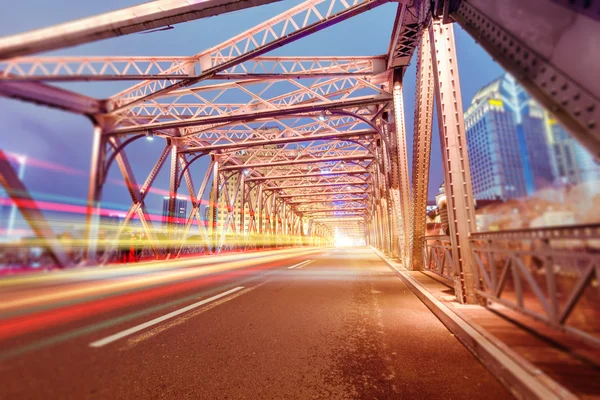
(325, 324)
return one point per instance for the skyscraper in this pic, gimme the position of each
(180, 217)
(493, 143)
(508, 143)
(533, 141)
(573, 164)
(8, 213)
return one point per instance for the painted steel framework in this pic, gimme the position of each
(312, 145)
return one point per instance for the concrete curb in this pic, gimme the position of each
(523, 379)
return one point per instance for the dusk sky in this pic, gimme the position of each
(64, 139)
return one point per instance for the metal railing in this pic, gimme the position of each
(549, 274)
(437, 256)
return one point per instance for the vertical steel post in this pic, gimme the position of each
(392, 191)
(213, 204)
(173, 185)
(242, 188)
(421, 151)
(461, 214)
(390, 196)
(273, 218)
(402, 165)
(92, 217)
(260, 210)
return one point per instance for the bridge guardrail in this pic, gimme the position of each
(549, 274)
(437, 256)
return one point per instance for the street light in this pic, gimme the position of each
(322, 116)
(149, 136)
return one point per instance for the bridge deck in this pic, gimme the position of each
(340, 326)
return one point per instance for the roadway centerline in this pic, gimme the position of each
(130, 331)
(300, 264)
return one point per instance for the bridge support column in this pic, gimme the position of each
(213, 205)
(400, 183)
(92, 217)
(461, 213)
(241, 234)
(260, 202)
(173, 212)
(390, 196)
(421, 151)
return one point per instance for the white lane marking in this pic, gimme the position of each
(305, 264)
(130, 331)
(299, 264)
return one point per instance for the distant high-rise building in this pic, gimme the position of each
(497, 171)
(510, 150)
(4, 217)
(533, 141)
(8, 214)
(516, 148)
(573, 164)
(180, 217)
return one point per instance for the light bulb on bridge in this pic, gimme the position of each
(149, 136)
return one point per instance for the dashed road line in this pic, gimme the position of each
(300, 264)
(305, 264)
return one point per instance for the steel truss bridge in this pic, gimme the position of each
(318, 144)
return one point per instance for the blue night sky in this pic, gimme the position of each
(62, 138)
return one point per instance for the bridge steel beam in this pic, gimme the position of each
(244, 46)
(73, 69)
(310, 175)
(50, 96)
(453, 140)
(363, 101)
(143, 17)
(296, 162)
(539, 49)
(257, 143)
(318, 185)
(421, 151)
(321, 194)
